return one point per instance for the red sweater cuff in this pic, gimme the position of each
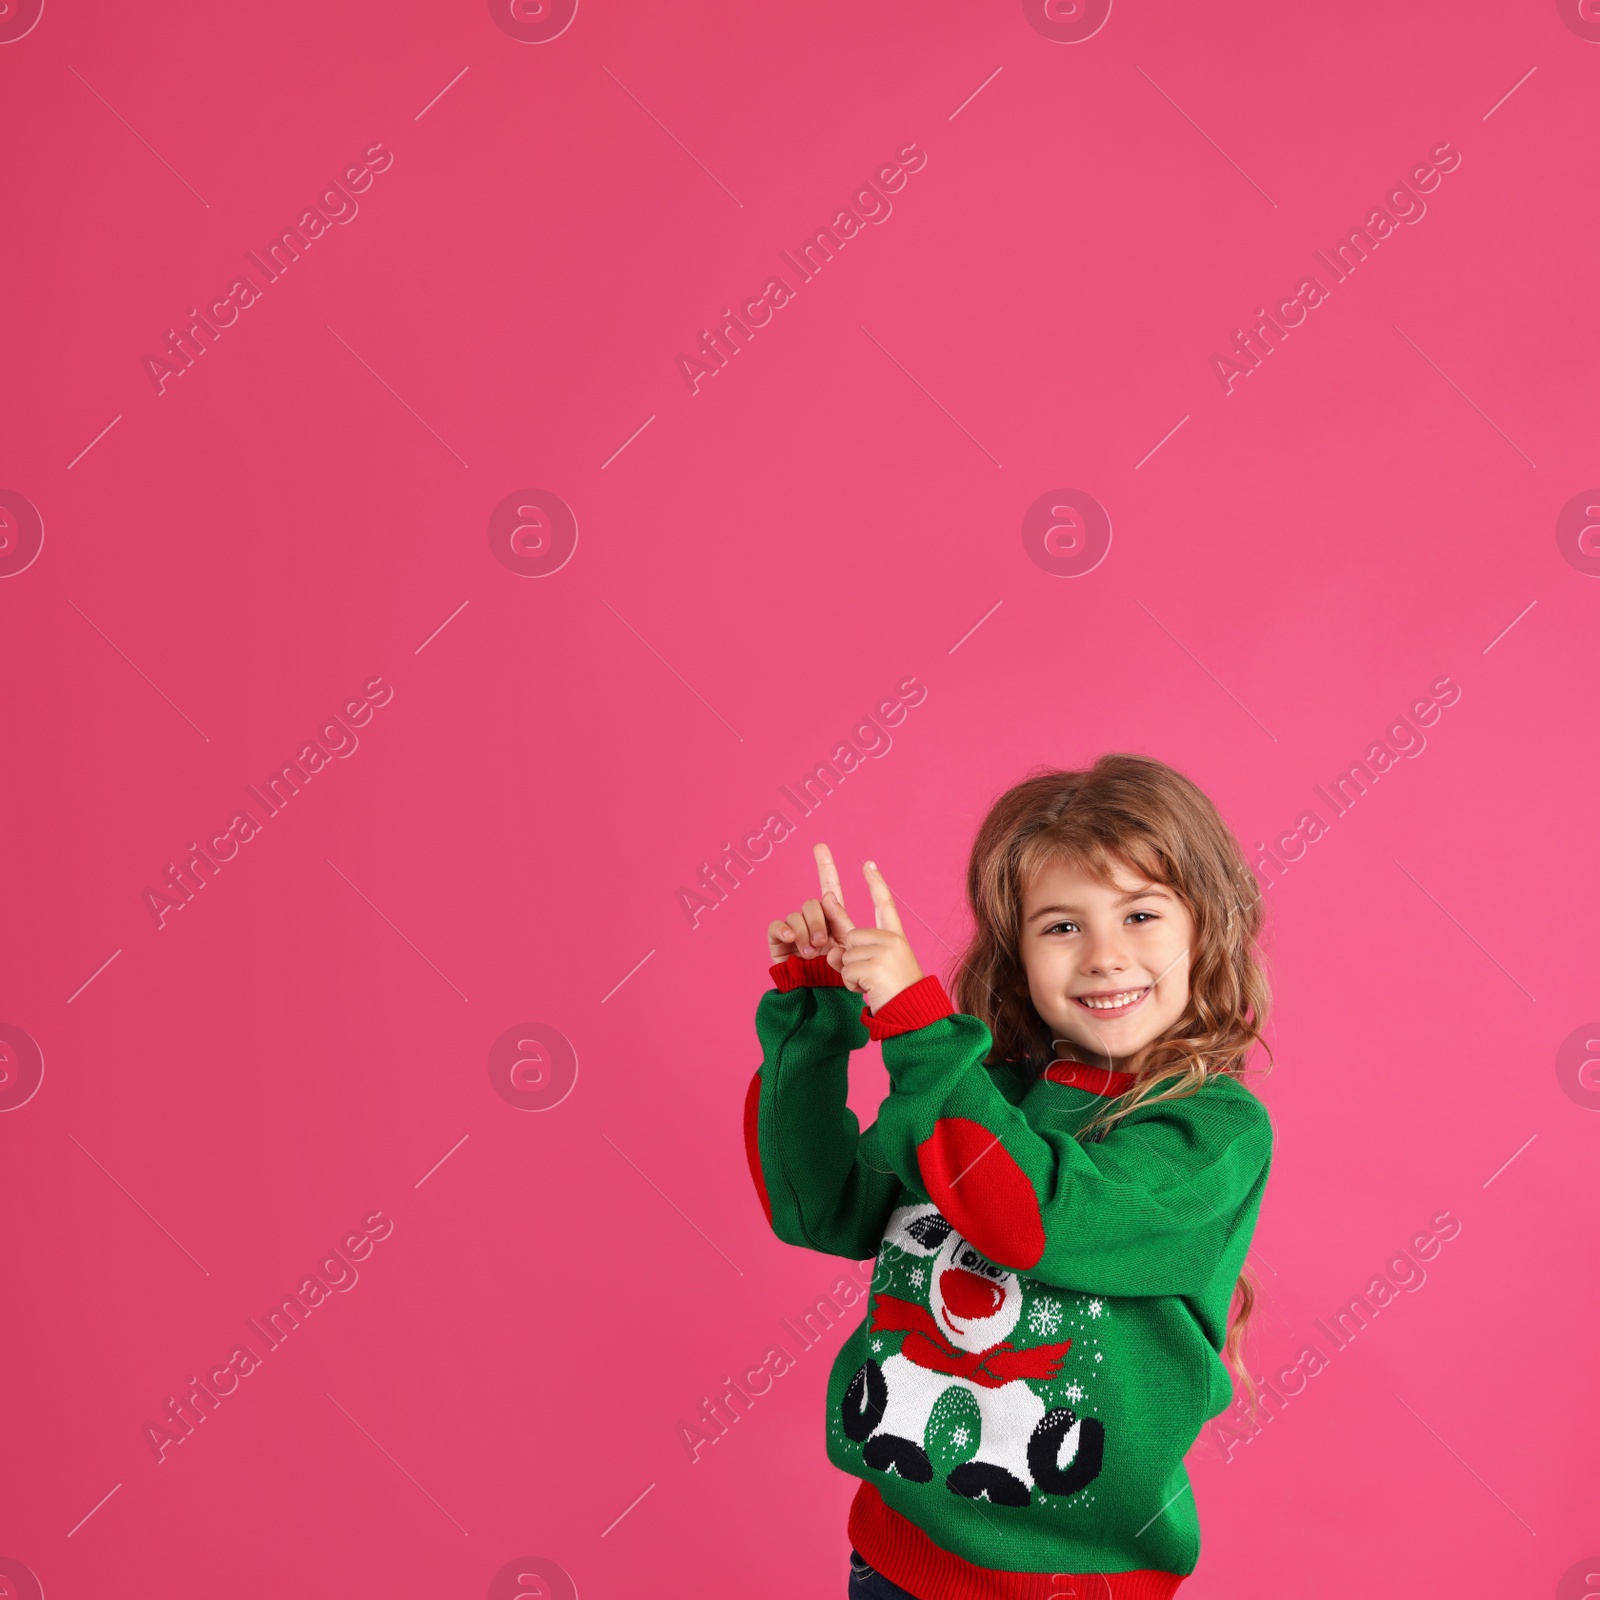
(924, 1002)
(801, 972)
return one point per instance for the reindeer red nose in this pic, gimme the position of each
(969, 1296)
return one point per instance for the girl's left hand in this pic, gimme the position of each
(876, 962)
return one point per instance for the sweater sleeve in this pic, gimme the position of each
(820, 1180)
(1147, 1210)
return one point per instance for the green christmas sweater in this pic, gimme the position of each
(1043, 1333)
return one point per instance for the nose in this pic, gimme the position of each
(1105, 951)
(969, 1296)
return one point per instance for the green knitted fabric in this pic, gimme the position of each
(1045, 1320)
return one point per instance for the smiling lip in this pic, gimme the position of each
(1128, 1000)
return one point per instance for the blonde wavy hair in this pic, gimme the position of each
(1136, 813)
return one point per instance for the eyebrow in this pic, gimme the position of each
(1138, 894)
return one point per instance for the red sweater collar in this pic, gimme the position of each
(1094, 1080)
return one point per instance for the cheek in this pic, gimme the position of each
(1045, 968)
(1175, 986)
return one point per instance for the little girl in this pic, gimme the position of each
(1060, 1188)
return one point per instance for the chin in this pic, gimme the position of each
(1123, 1050)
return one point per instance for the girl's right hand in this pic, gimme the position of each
(808, 931)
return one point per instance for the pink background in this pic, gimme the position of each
(833, 513)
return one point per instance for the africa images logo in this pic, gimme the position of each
(335, 738)
(868, 203)
(336, 203)
(21, 533)
(18, 18)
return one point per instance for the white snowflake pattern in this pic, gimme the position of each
(1097, 1308)
(918, 1276)
(960, 1436)
(1074, 1393)
(877, 1344)
(1045, 1317)
(1098, 1356)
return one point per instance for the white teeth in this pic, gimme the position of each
(1110, 1002)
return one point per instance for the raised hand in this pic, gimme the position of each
(807, 932)
(877, 962)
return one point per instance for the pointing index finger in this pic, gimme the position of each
(828, 873)
(883, 906)
(839, 922)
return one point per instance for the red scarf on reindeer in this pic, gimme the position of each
(927, 1346)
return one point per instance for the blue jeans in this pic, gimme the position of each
(867, 1583)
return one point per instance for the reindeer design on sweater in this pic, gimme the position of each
(961, 1339)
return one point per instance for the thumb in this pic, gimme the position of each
(883, 906)
(839, 923)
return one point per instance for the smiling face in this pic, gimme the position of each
(1107, 964)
